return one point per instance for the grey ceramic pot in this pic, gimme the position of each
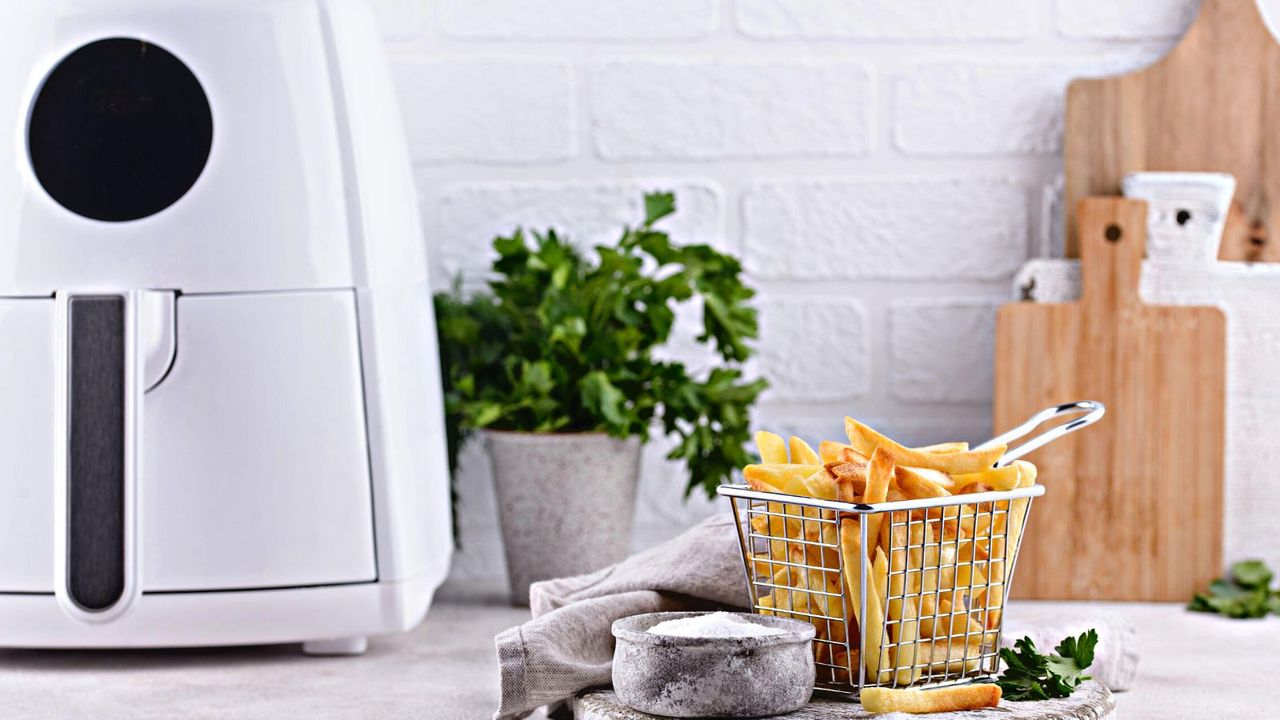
(566, 501)
(712, 677)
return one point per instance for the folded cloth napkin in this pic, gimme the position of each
(1115, 659)
(568, 646)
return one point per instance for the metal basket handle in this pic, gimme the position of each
(1092, 412)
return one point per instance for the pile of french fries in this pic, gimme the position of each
(935, 577)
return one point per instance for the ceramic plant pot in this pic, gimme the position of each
(566, 502)
(1186, 212)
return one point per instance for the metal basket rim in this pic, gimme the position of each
(741, 490)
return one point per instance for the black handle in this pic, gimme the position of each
(96, 366)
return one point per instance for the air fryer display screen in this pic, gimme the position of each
(120, 130)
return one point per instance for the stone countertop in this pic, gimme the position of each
(446, 670)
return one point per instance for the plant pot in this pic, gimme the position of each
(566, 501)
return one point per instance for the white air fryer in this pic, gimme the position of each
(220, 412)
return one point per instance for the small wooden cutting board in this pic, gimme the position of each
(1133, 505)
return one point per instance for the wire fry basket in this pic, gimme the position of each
(932, 597)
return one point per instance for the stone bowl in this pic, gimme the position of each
(713, 677)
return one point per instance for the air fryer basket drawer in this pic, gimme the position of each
(255, 469)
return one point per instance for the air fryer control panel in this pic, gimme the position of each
(120, 130)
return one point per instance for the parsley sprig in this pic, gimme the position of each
(1247, 594)
(1028, 675)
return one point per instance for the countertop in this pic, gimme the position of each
(446, 670)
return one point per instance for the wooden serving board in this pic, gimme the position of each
(1133, 508)
(1090, 701)
(1211, 104)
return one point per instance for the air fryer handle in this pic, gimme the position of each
(98, 398)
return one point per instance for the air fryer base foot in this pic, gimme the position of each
(337, 646)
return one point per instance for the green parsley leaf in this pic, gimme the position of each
(1245, 595)
(1251, 574)
(1029, 675)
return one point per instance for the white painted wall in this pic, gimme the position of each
(884, 166)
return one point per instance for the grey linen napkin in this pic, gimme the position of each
(568, 646)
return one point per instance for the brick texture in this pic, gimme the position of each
(1004, 108)
(814, 348)
(469, 216)
(886, 19)
(508, 110)
(1125, 21)
(941, 350)
(975, 228)
(572, 19)
(709, 110)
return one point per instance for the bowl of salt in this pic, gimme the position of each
(713, 664)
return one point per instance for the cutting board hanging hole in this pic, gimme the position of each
(1113, 233)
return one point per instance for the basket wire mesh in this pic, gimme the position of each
(942, 566)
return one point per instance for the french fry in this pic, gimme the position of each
(945, 699)
(1017, 516)
(954, 655)
(937, 477)
(946, 447)
(848, 663)
(821, 484)
(830, 451)
(765, 605)
(873, 637)
(1005, 478)
(926, 558)
(901, 606)
(948, 622)
(783, 477)
(760, 566)
(773, 449)
(918, 485)
(851, 480)
(865, 440)
(851, 549)
(879, 474)
(802, 453)
(875, 653)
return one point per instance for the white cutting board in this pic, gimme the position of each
(1249, 294)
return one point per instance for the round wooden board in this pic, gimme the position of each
(1090, 702)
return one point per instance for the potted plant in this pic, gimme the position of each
(555, 362)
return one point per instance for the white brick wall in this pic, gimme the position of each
(887, 19)
(579, 19)
(976, 228)
(667, 110)
(883, 166)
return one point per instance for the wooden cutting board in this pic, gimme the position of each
(1133, 507)
(1211, 104)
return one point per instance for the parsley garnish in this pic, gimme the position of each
(1028, 675)
(1247, 594)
